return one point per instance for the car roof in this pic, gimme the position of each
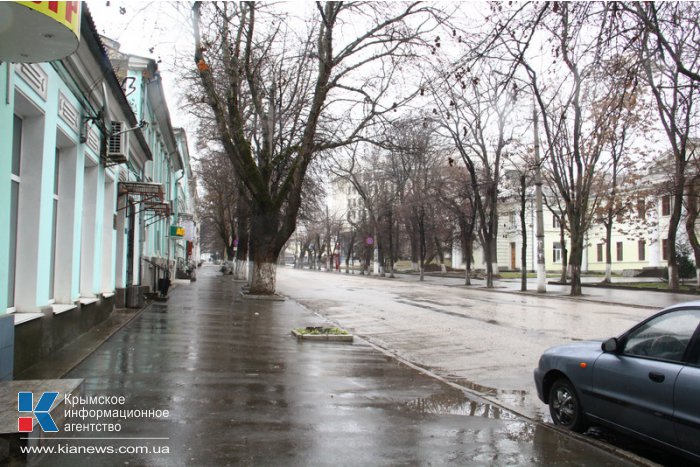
(692, 303)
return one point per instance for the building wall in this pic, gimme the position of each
(6, 131)
(72, 218)
(653, 233)
(75, 212)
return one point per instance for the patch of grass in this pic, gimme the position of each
(652, 285)
(530, 275)
(317, 330)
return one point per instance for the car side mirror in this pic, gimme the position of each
(610, 345)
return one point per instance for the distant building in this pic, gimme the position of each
(638, 237)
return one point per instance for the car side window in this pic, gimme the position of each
(665, 337)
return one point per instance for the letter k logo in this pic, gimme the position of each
(25, 403)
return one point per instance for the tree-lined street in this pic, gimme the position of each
(241, 390)
(443, 152)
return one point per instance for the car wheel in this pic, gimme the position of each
(565, 407)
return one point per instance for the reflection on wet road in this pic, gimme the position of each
(481, 340)
(241, 390)
(488, 341)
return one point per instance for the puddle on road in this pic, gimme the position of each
(457, 403)
(486, 390)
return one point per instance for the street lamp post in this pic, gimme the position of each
(541, 273)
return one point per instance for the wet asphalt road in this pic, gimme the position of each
(240, 390)
(487, 341)
(483, 340)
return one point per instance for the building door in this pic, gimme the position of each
(512, 255)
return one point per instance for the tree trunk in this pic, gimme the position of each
(391, 246)
(468, 263)
(421, 235)
(351, 248)
(467, 230)
(380, 254)
(576, 257)
(242, 248)
(564, 256)
(264, 277)
(488, 252)
(264, 251)
(412, 230)
(440, 255)
(674, 221)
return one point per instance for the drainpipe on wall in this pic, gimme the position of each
(8, 82)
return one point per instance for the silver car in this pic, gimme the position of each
(645, 382)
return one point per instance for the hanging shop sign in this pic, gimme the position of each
(32, 32)
(189, 230)
(177, 231)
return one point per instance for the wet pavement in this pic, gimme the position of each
(240, 390)
(485, 341)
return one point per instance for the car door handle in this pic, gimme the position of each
(656, 377)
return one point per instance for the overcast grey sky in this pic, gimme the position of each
(158, 30)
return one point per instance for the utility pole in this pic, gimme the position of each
(539, 234)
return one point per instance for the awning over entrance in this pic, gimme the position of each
(147, 191)
(158, 208)
(151, 197)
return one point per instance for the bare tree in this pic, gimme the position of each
(280, 93)
(568, 94)
(455, 192)
(666, 37)
(624, 117)
(474, 107)
(415, 158)
(360, 166)
(220, 198)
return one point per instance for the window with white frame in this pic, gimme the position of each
(557, 252)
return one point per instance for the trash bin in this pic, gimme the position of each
(163, 286)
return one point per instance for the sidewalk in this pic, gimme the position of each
(240, 390)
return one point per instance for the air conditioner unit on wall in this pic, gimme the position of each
(118, 147)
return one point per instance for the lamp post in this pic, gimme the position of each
(539, 234)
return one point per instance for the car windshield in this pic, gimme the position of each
(665, 337)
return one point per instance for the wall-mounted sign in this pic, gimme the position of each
(32, 32)
(190, 232)
(177, 231)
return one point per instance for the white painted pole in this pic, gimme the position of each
(541, 272)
